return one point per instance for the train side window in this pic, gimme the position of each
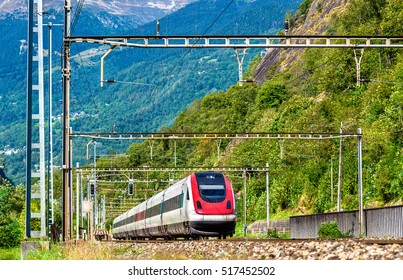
(187, 194)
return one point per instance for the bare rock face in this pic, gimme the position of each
(314, 22)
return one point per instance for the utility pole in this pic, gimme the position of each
(66, 120)
(245, 225)
(50, 132)
(267, 196)
(331, 182)
(175, 153)
(361, 206)
(95, 185)
(340, 170)
(95, 188)
(78, 202)
(71, 196)
(29, 120)
(50, 142)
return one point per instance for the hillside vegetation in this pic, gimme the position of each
(316, 93)
(174, 77)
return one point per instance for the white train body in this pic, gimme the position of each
(202, 204)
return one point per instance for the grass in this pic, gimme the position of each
(10, 253)
(74, 251)
(54, 253)
(88, 251)
(69, 251)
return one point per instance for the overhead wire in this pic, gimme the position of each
(76, 15)
(195, 43)
(74, 23)
(75, 18)
(130, 83)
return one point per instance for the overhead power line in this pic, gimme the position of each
(196, 42)
(76, 15)
(130, 83)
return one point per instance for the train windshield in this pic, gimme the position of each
(211, 186)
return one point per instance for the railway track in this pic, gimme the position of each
(369, 241)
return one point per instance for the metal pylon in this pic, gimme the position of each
(240, 56)
(35, 161)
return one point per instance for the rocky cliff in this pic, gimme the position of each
(313, 22)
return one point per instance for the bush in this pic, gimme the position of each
(271, 95)
(331, 230)
(10, 235)
(304, 8)
(11, 204)
(272, 233)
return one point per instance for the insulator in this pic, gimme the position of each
(286, 26)
(158, 28)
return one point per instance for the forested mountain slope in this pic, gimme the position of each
(152, 86)
(316, 92)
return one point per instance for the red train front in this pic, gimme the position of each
(211, 207)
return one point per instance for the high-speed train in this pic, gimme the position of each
(200, 205)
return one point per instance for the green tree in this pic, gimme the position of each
(11, 206)
(392, 21)
(331, 230)
(271, 95)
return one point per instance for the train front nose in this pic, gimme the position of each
(214, 211)
(212, 194)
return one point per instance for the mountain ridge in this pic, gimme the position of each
(145, 12)
(114, 6)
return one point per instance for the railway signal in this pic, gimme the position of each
(130, 187)
(93, 187)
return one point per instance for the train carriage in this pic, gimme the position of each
(139, 223)
(130, 229)
(173, 212)
(202, 204)
(119, 227)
